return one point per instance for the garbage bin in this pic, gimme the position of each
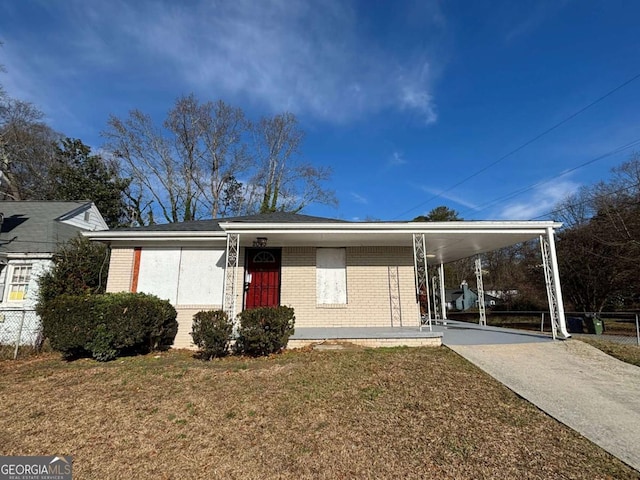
(574, 324)
(594, 324)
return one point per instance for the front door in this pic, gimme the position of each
(262, 279)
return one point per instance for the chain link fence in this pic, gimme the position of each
(20, 331)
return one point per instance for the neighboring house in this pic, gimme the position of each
(30, 233)
(333, 273)
(464, 298)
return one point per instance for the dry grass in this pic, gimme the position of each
(626, 353)
(360, 413)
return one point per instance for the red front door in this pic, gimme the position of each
(263, 278)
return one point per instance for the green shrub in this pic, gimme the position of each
(211, 332)
(264, 330)
(107, 326)
(80, 267)
(101, 345)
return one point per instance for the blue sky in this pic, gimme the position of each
(404, 99)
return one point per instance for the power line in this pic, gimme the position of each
(520, 191)
(584, 202)
(522, 146)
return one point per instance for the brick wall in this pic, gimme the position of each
(368, 282)
(120, 270)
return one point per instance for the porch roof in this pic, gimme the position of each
(445, 241)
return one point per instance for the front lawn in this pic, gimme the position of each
(626, 353)
(356, 413)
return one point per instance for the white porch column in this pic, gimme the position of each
(230, 275)
(443, 292)
(552, 277)
(421, 274)
(480, 287)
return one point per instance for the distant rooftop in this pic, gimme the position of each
(34, 226)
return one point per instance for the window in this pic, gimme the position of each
(331, 276)
(19, 283)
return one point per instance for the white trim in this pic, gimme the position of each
(503, 227)
(114, 235)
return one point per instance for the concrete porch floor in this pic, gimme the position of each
(366, 336)
(450, 333)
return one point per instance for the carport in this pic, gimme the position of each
(434, 244)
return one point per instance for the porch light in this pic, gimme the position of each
(260, 242)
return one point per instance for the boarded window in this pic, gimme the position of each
(187, 276)
(201, 277)
(331, 276)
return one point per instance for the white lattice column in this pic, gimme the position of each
(437, 299)
(480, 287)
(443, 292)
(422, 281)
(552, 281)
(230, 275)
(394, 296)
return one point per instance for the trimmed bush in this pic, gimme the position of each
(211, 332)
(264, 330)
(107, 326)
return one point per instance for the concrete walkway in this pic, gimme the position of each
(582, 387)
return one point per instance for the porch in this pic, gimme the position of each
(450, 332)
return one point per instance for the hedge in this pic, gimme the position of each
(211, 332)
(107, 326)
(264, 330)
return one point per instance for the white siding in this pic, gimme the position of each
(38, 267)
(331, 276)
(93, 221)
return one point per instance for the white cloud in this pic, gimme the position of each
(310, 58)
(449, 196)
(397, 158)
(542, 200)
(359, 198)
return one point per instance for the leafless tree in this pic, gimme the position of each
(225, 158)
(282, 180)
(208, 160)
(161, 172)
(599, 256)
(187, 168)
(27, 151)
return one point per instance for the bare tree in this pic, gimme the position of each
(576, 209)
(599, 255)
(282, 181)
(193, 166)
(225, 160)
(186, 169)
(161, 175)
(27, 151)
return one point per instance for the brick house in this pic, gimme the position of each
(332, 272)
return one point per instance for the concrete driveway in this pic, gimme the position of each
(577, 384)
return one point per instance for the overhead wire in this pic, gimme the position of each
(584, 202)
(520, 191)
(523, 145)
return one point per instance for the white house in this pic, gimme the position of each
(30, 234)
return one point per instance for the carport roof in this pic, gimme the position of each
(445, 241)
